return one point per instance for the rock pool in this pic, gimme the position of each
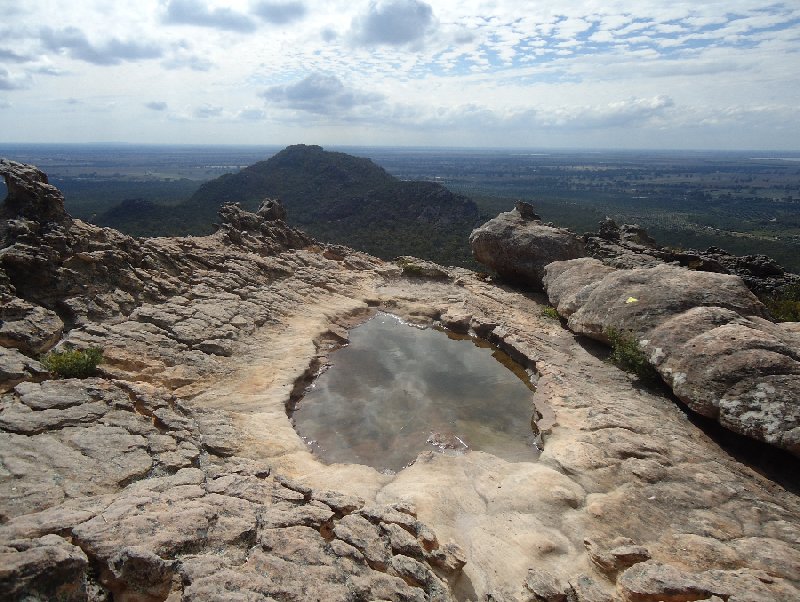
(398, 390)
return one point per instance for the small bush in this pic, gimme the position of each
(784, 306)
(73, 363)
(550, 312)
(627, 355)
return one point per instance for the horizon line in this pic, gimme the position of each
(551, 149)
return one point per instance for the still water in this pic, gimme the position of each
(398, 390)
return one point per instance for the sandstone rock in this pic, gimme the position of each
(621, 554)
(46, 568)
(29, 328)
(15, 367)
(704, 333)
(30, 195)
(271, 210)
(639, 300)
(138, 573)
(629, 246)
(651, 581)
(569, 283)
(545, 587)
(744, 372)
(518, 248)
(419, 268)
(204, 522)
(366, 538)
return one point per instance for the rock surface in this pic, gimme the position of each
(517, 245)
(629, 246)
(176, 473)
(705, 333)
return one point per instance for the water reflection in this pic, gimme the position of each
(396, 391)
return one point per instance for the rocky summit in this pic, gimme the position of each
(174, 473)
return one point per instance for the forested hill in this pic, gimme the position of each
(335, 197)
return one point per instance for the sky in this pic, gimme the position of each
(451, 73)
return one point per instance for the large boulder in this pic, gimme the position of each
(744, 372)
(596, 297)
(704, 333)
(517, 245)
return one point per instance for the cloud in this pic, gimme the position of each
(49, 70)
(9, 56)
(328, 35)
(9, 81)
(251, 114)
(626, 113)
(280, 12)
(195, 12)
(112, 52)
(393, 23)
(193, 62)
(156, 105)
(207, 111)
(321, 94)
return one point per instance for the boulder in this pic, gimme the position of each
(44, 568)
(630, 246)
(744, 372)
(704, 333)
(30, 195)
(640, 299)
(518, 246)
(30, 328)
(271, 210)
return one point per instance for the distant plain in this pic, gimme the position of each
(743, 202)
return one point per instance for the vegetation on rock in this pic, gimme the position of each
(784, 306)
(627, 355)
(73, 363)
(550, 312)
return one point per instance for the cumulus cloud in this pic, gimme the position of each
(156, 105)
(280, 12)
(393, 23)
(196, 12)
(321, 94)
(112, 52)
(207, 111)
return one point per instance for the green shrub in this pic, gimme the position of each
(73, 363)
(550, 312)
(627, 355)
(784, 306)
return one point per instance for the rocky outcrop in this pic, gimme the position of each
(629, 246)
(594, 297)
(114, 486)
(742, 371)
(30, 195)
(705, 333)
(78, 272)
(175, 473)
(517, 245)
(121, 471)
